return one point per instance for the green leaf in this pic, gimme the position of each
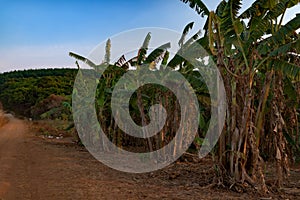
(221, 7)
(289, 69)
(285, 31)
(282, 50)
(158, 52)
(239, 26)
(175, 61)
(143, 50)
(83, 59)
(166, 58)
(185, 32)
(279, 38)
(235, 6)
(256, 9)
(198, 6)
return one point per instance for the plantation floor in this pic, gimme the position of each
(36, 167)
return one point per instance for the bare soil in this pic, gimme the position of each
(33, 166)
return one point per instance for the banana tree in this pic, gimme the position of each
(251, 50)
(148, 95)
(111, 76)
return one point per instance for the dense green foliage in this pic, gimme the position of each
(258, 58)
(149, 65)
(257, 55)
(21, 90)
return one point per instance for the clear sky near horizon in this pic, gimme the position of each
(40, 33)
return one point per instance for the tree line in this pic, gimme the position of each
(22, 90)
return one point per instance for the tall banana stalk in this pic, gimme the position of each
(243, 53)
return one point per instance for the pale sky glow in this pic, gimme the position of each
(39, 34)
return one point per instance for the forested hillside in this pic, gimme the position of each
(22, 90)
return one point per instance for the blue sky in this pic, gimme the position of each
(40, 33)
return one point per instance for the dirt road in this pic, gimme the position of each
(13, 172)
(33, 167)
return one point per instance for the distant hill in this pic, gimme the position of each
(21, 90)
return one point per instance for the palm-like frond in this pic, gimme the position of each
(131, 62)
(186, 29)
(190, 45)
(175, 61)
(262, 25)
(158, 52)
(165, 58)
(121, 62)
(221, 7)
(230, 25)
(235, 6)
(289, 69)
(286, 30)
(284, 49)
(256, 9)
(78, 57)
(226, 26)
(198, 6)
(143, 50)
(292, 3)
(190, 41)
(278, 38)
(255, 13)
(83, 59)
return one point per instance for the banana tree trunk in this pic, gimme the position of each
(143, 116)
